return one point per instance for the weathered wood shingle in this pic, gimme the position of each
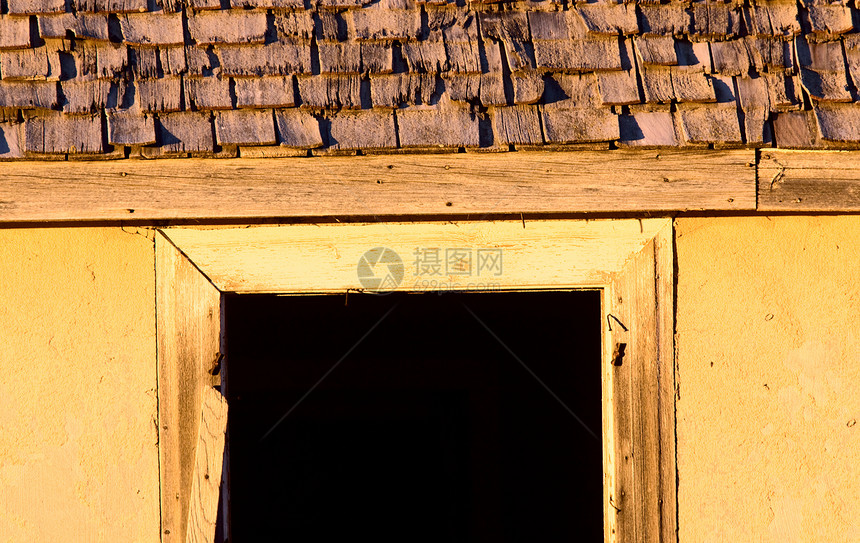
(579, 125)
(339, 57)
(730, 57)
(28, 94)
(828, 19)
(444, 125)
(714, 19)
(167, 76)
(275, 91)
(578, 55)
(84, 96)
(280, 58)
(392, 90)
(144, 61)
(528, 87)
(111, 6)
(266, 4)
(462, 47)
(511, 28)
(773, 19)
(15, 32)
(294, 24)
(823, 71)
(608, 18)
(330, 91)
(56, 132)
(665, 85)
(664, 19)
(152, 28)
(838, 122)
(361, 130)
(649, 129)
(377, 57)
(100, 60)
(717, 123)
(203, 93)
(379, 23)
(34, 7)
(245, 127)
(426, 56)
(796, 130)
(82, 25)
(129, 127)
(518, 125)
(185, 132)
(297, 129)
(29, 64)
(172, 60)
(656, 50)
(227, 26)
(11, 144)
(160, 94)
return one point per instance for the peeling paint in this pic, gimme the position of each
(787, 523)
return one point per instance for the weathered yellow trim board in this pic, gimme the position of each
(311, 259)
(519, 182)
(188, 329)
(631, 261)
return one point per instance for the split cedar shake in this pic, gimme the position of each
(781, 74)
(94, 79)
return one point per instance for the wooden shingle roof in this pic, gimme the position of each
(119, 78)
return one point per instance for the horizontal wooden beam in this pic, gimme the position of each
(313, 258)
(469, 183)
(809, 180)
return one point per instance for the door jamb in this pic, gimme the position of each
(632, 261)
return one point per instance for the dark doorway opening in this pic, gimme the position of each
(437, 425)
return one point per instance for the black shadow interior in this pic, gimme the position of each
(424, 429)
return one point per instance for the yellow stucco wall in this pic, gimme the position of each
(78, 450)
(768, 320)
(761, 301)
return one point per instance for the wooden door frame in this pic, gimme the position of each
(631, 261)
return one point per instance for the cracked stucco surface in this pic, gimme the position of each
(767, 301)
(78, 452)
(769, 373)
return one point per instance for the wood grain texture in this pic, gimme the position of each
(206, 480)
(644, 492)
(643, 356)
(608, 415)
(664, 247)
(634, 310)
(527, 182)
(622, 497)
(188, 328)
(307, 258)
(634, 259)
(809, 180)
